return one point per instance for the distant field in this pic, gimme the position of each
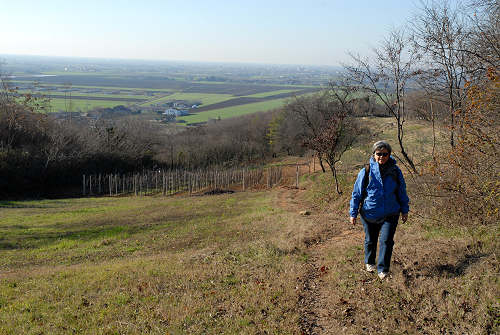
(74, 95)
(111, 89)
(268, 94)
(206, 99)
(108, 88)
(229, 112)
(82, 104)
(149, 81)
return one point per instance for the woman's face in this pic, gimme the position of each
(381, 156)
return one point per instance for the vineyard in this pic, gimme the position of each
(170, 182)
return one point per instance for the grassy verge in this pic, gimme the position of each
(149, 265)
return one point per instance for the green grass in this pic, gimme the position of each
(229, 112)
(81, 104)
(148, 265)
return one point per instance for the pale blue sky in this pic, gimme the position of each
(316, 32)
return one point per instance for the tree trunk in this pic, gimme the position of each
(334, 172)
(321, 163)
(403, 151)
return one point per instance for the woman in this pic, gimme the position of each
(380, 191)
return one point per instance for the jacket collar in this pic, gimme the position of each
(374, 167)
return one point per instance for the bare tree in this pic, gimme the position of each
(328, 127)
(387, 77)
(441, 32)
(335, 137)
(483, 46)
(312, 113)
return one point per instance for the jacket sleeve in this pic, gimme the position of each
(356, 194)
(402, 195)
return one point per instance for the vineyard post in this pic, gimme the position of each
(163, 183)
(190, 189)
(83, 185)
(297, 173)
(136, 184)
(243, 172)
(269, 177)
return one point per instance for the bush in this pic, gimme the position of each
(468, 176)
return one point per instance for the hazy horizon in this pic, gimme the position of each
(6, 57)
(318, 33)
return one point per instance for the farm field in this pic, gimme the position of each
(267, 94)
(205, 99)
(229, 112)
(82, 105)
(105, 95)
(153, 92)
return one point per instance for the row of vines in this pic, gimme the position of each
(169, 182)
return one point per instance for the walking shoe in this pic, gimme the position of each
(370, 267)
(382, 275)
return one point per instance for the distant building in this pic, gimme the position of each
(175, 112)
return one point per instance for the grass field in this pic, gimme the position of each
(82, 104)
(148, 265)
(229, 112)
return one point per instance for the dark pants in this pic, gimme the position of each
(382, 232)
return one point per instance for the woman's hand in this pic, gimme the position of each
(404, 217)
(352, 220)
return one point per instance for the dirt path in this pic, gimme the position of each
(329, 231)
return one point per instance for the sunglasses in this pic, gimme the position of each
(382, 154)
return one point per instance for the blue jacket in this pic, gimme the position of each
(381, 198)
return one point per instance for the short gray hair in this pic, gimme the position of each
(381, 145)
